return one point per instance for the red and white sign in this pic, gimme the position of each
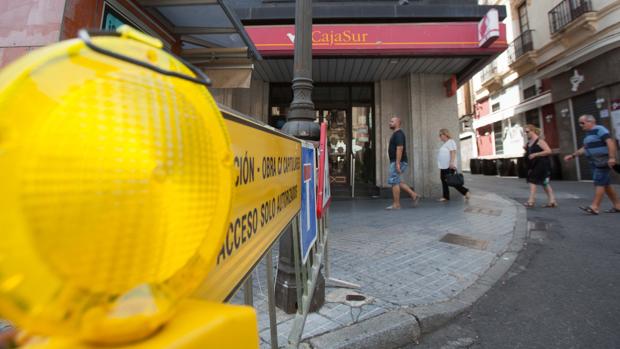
(323, 192)
(455, 38)
(489, 29)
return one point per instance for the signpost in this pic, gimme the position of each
(266, 197)
(308, 228)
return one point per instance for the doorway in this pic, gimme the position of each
(348, 111)
(583, 104)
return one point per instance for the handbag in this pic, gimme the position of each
(455, 179)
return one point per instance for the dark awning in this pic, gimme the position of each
(212, 38)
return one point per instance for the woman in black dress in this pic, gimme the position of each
(539, 166)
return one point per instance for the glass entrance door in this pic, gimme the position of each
(347, 109)
(338, 145)
(361, 145)
(350, 148)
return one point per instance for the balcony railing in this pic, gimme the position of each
(566, 12)
(520, 46)
(489, 71)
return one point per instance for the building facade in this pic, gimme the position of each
(563, 62)
(372, 60)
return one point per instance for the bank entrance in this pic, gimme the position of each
(348, 111)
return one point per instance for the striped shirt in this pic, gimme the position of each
(595, 146)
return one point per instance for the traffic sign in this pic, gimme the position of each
(323, 193)
(308, 228)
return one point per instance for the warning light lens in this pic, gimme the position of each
(116, 188)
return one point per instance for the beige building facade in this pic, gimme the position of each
(563, 60)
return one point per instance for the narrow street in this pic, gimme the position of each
(562, 292)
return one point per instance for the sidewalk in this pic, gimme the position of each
(414, 276)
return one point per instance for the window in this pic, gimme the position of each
(495, 107)
(529, 92)
(524, 24)
(532, 117)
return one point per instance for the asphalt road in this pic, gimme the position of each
(564, 289)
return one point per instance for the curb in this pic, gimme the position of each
(393, 329)
(398, 328)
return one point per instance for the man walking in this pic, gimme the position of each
(600, 150)
(397, 151)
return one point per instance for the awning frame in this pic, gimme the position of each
(186, 32)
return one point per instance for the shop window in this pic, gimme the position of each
(277, 117)
(113, 19)
(499, 140)
(280, 94)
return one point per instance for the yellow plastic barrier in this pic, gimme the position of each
(115, 181)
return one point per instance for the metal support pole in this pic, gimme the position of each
(307, 297)
(330, 281)
(248, 294)
(352, 178)
(273, 325)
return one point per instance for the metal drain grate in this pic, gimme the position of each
(466, 241)
(483, 210)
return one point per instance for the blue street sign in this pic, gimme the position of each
(308, 223)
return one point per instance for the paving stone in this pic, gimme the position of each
(397, 259)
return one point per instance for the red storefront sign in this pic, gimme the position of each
(459, 38)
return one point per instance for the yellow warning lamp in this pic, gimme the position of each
(115, 187)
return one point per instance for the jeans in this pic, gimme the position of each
(444, 186)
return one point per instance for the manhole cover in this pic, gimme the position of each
(466, 241)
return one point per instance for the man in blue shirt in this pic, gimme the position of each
(397, 152)
(600, 149)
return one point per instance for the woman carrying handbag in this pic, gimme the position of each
(446, 160)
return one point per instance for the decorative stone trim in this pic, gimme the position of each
(574, 31)
(525, 64)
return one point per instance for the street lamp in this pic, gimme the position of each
(300, 123)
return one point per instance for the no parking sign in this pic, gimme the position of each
(308, 224)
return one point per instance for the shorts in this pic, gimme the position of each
(394, 178)
(601, 176)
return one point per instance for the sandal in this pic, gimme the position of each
(612, 210)
(588, 210)
(442, 200)
(551, 205)
(528, 204)
(416, 201)
(391, 208)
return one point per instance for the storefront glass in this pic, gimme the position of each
(348, 111)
